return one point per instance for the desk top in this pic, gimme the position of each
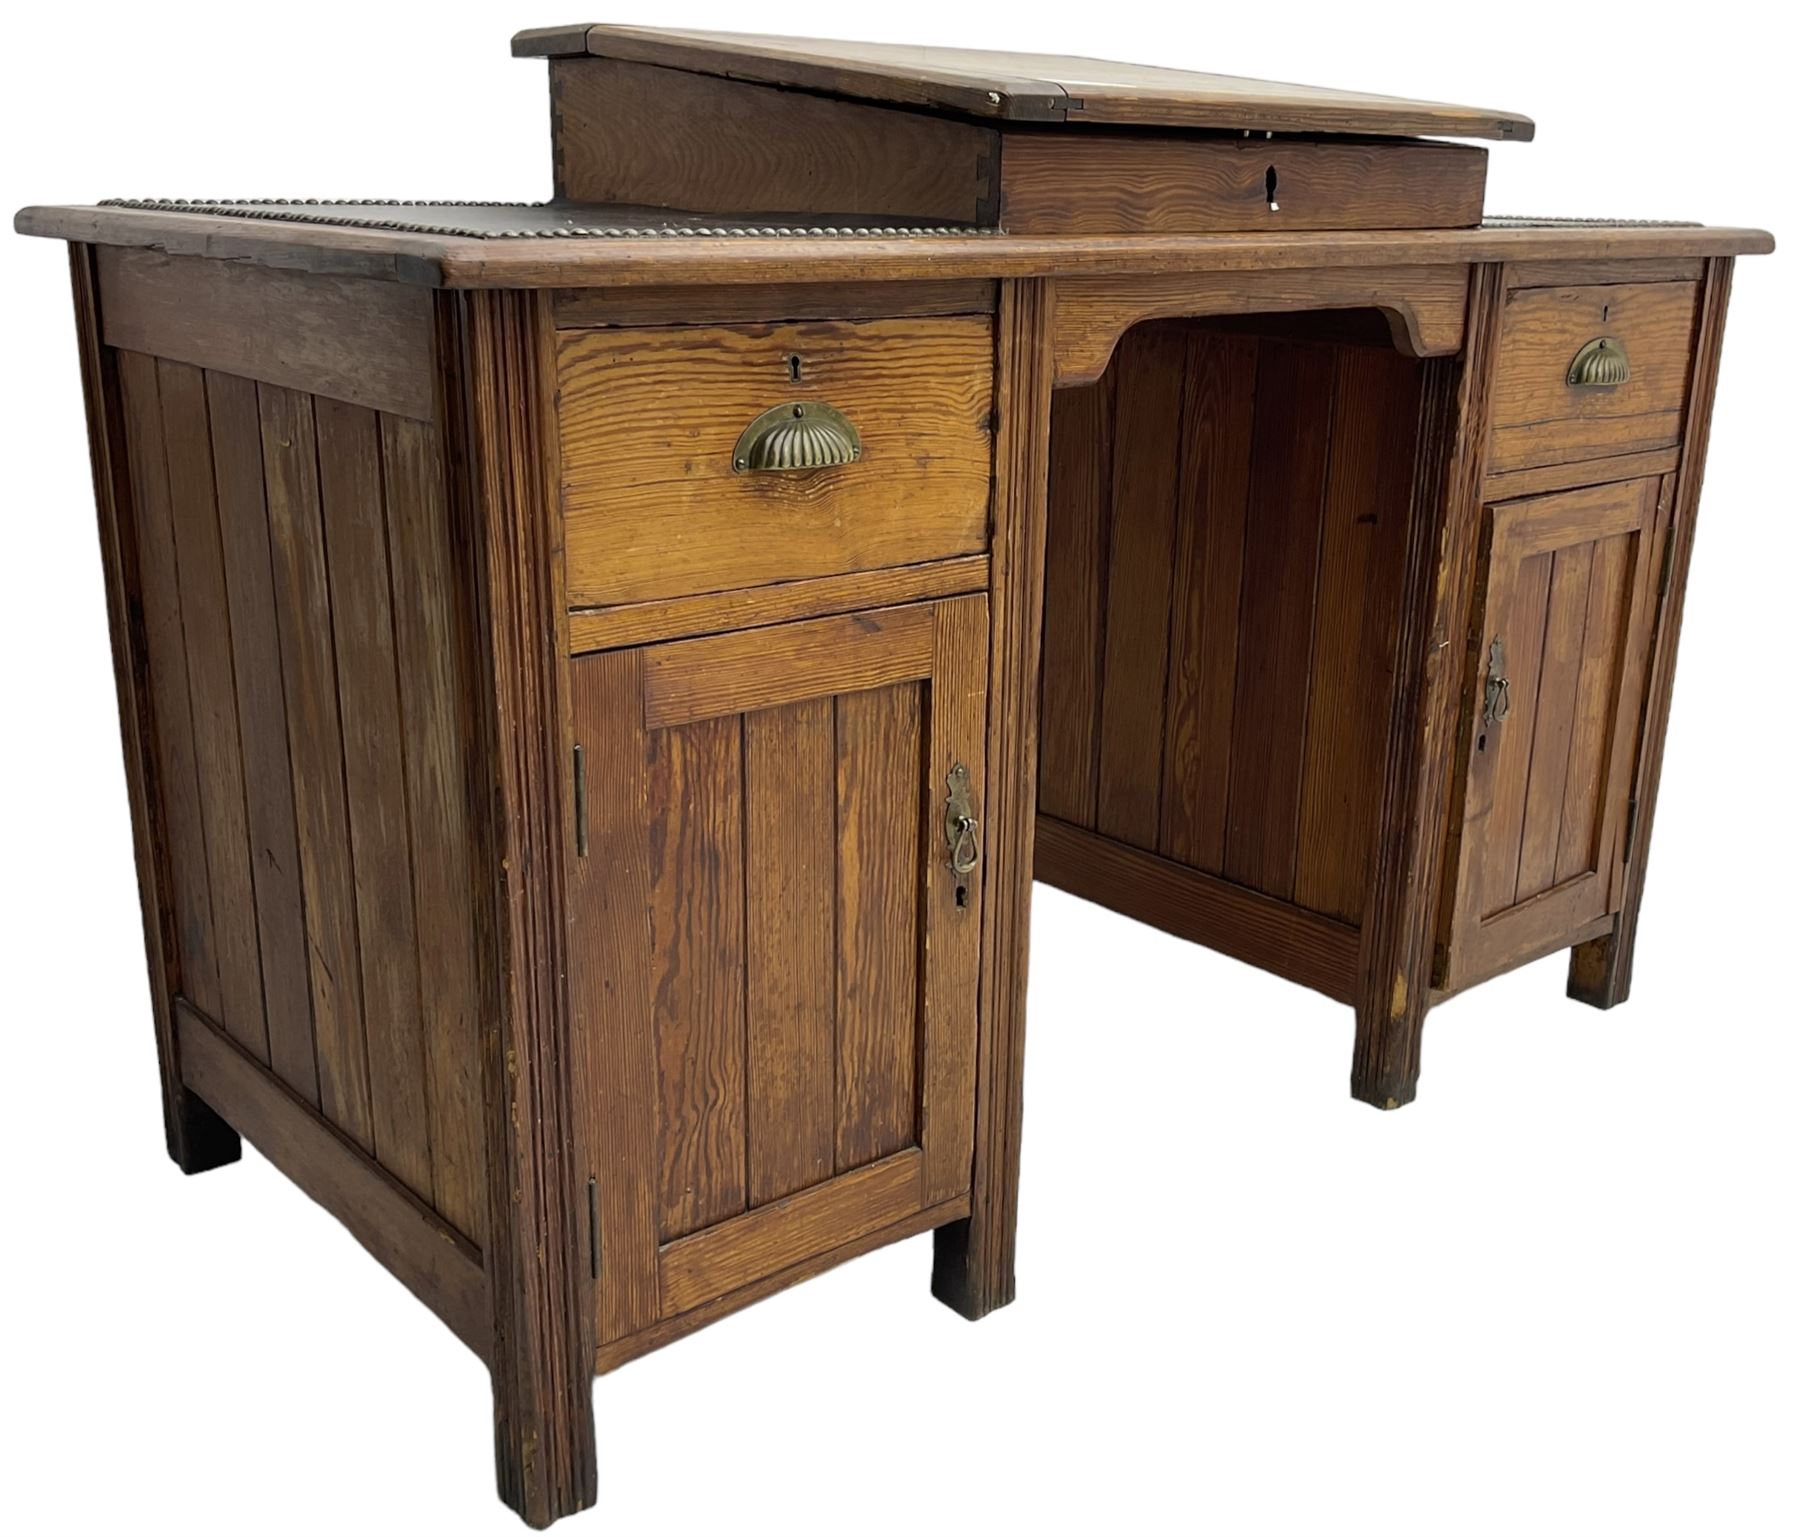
(551, 245)
(1025, 87)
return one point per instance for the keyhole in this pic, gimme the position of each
(794, 367)
(1481, 742)
(1605, 310)
(962, 896)
(1269, 189)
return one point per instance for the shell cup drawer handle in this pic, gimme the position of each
(1599, 365)
(797, 435)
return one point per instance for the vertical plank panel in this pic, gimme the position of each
(952, 941)
(262, 728)
(218, 758)
(1151, 366)
(697, 967)
(790, 812)
(1564, 627)
(1281, 567)
(362, 624)
(610, 986)
(171, 714)
(1217, 417)
(1081, 442)
(423, 574)
(315, 746)
(1521, 628)
(1591, 730)
(1367, 502)
(878, 774)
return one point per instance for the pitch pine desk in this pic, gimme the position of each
(598, 677)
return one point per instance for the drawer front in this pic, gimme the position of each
(651, 420)
(1541, 417)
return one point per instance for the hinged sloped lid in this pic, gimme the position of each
(1025, 87)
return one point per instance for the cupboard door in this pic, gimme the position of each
(774, 946)
(1561, 648)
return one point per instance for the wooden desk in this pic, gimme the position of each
(596, 677)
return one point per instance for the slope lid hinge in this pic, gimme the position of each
(593, 1228)
(581, 811)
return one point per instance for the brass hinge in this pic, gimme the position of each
(581, 831)
(593, 1227)
(1631, 821)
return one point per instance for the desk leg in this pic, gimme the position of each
(973, 1267)
(1600, 970)
(1399, 933)
(505, 511)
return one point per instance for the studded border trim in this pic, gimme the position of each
(293, 211)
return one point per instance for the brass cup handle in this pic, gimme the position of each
(961, 826)
(797, 435)
(1599, 365)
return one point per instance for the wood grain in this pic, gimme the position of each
(194, 1135)
(578, 308)
(315, 743)
(649, 420)
(973, 1259)
(435, 727)
(1067, 185)
(790, 946)
(1075, 588)
(692, 680)
(365, 342)
(1146, 470)
(1426, 305)
(1208, 559)
(362, 632)
(694, 803)
(1315, 951)
(1032, 86)
(624, 132)
(752, 607)
(879, 750)
(434, 1262)
(712, 1264)
(1288, 461)
(218, 752)
(1539, 418)
(280, 912)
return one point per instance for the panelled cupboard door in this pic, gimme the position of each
(1561, 650)
(775, 943)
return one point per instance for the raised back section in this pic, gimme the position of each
(1034, 144)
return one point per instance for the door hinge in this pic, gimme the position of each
(1631, 823)
(581, 818)
(593, 1227)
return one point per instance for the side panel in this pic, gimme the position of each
(310, 726)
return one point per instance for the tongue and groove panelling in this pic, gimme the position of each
(1227, 514)
(295, 569)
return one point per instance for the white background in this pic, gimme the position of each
(1555, 1295)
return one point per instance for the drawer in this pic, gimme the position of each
(658, 505)
(1541, 416)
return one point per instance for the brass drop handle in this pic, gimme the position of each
(960, 823)
(1497, 704)
(1599, 365)
(797, 435)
